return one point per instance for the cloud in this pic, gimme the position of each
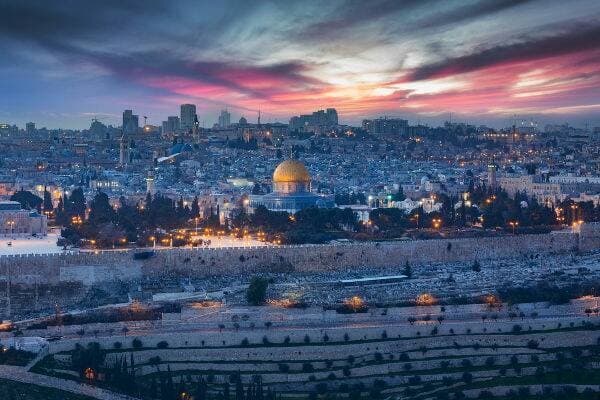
(577, 39)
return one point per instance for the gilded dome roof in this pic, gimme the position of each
(291, 171)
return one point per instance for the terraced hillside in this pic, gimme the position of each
(425, 360)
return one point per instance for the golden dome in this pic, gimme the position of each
(291, 171)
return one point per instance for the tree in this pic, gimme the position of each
(257, 290)
(101, 212)
(76, 203)
(27, 199)
(91, 356)
(47, 203)
(407, 270)
(195, 211)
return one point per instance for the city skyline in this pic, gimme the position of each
(481, 61)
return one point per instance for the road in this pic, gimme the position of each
(20, 374)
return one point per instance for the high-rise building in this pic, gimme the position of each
(171, 125)
(130, 122)
(224, 119)
(382, 126)
(188, 116)
(30, 128)
(315, 121)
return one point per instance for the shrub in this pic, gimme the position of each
(325, 338)
(517, 328)
(286, 340)
(414, 380)
(136, 343)
(283, 367)
(378, 357)
(351, 359)
(265, 340)
(306, 339)
(490, 361)
(467, 377)
(346, 337)
(321, 388)
(384, 335)
(331, 376)
(163, 344)
(117, 345)
(154, 360)
(307, 367)
(346, 371)
(257, 290)
(533, 344)
(245, 342)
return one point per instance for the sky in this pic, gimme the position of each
(65, 62)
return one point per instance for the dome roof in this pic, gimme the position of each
(291, 171)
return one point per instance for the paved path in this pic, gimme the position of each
(19, 374)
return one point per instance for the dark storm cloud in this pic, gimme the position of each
(579, 38)
(63, 20)
(79, 31)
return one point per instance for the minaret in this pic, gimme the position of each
(491, 177)
(123, 151)
(150, 182)
(196, 130)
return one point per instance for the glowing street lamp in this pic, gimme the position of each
(513, 224)
(437, 223)
(11, 224)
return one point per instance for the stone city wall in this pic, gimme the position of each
(112, 265)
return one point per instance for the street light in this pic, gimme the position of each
(436, 222)
(514, 224)
(11, 224)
